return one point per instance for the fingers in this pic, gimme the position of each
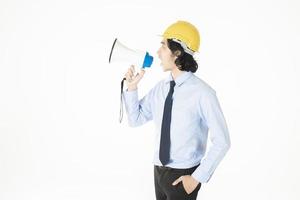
(131, 79)
(177, 181)
(140, 74)
(132, 69)
(129, 74)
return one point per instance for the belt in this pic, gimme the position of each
(170, 168)
(164, 167)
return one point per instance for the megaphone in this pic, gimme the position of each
(120, 53)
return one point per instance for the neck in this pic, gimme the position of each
(176, 72)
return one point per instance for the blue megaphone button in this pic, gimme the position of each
(147, 60)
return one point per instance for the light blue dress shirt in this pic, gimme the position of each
(195, 113)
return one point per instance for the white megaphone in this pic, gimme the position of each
(121, 53)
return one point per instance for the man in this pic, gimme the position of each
(184, 108)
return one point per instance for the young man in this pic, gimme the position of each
(184, 108)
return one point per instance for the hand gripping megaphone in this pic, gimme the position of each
(120, 53)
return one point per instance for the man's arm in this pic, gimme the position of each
(138, 112)
(218, 135)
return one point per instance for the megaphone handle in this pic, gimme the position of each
(121, 100)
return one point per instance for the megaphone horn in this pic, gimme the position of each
(120, 53)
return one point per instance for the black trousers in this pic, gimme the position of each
(163, 179)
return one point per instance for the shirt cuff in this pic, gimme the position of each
(130, 96)
(200, 176)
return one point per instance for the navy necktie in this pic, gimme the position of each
(164, 149)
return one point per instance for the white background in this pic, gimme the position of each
(59, 98)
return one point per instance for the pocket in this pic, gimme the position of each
(181, 187)
(198, 187)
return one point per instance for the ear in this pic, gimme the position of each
(177, 53)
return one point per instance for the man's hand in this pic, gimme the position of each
(188, 182)
(133, 80)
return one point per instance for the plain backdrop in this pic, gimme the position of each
(59, 97)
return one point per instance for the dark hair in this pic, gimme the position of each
(184, 61)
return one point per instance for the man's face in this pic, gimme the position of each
(166, 57)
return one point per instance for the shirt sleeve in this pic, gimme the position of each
(218, 135)
(138, 111)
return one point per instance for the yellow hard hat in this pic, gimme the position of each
(185, 32)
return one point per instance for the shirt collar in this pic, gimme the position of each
(180, 79)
